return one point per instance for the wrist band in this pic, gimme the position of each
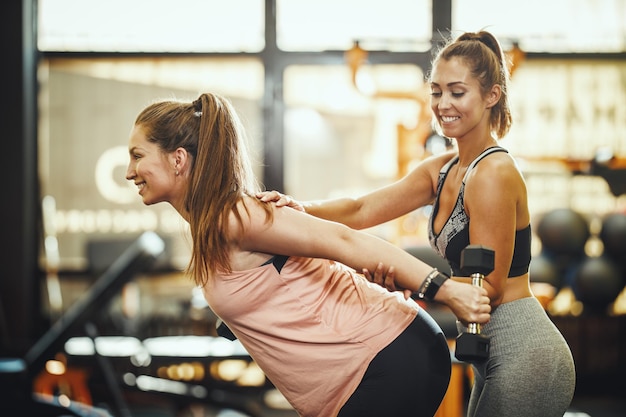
(431, 285)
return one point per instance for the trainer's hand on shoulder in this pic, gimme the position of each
(279, 199)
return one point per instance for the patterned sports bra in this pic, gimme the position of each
(454, 236)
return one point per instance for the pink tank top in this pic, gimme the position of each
(313, 328)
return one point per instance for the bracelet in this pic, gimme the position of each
(433, 281)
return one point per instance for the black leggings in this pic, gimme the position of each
(408, 378)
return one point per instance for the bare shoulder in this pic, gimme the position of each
(497, 187)
(248, 216)
(498, 166)
(244, 224)
(496, 178)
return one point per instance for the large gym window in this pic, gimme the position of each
(557, 26)
(318, 25)
(151, 25)
(87, 108)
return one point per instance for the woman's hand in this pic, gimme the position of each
(385, 278)
(280, 200)
(469, 303)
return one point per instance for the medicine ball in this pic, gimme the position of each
(613, 236)
(563, 231)
(598, 282)
(543, 269)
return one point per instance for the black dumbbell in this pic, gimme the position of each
(476, 262)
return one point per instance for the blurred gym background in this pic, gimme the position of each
(332, 96)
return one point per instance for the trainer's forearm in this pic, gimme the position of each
(341, 210)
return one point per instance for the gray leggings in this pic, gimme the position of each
(530, 370)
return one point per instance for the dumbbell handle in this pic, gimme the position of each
(477, 280)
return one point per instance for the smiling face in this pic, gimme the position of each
(152, 170)
(457, 101)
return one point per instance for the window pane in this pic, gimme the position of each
(340, 142)
(568, 109)
(317, 25)
(565, 113)
(151, 25)
(87, 108)
(547, 26)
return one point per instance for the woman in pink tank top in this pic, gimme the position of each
(332, 342)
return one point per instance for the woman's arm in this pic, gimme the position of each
(495, 201)
(415, 190)
(295, 233)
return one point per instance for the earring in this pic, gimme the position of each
(176, 172)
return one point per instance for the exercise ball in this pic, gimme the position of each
(563, 231)
(598, 281)
(613, 236)
(543, 269)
